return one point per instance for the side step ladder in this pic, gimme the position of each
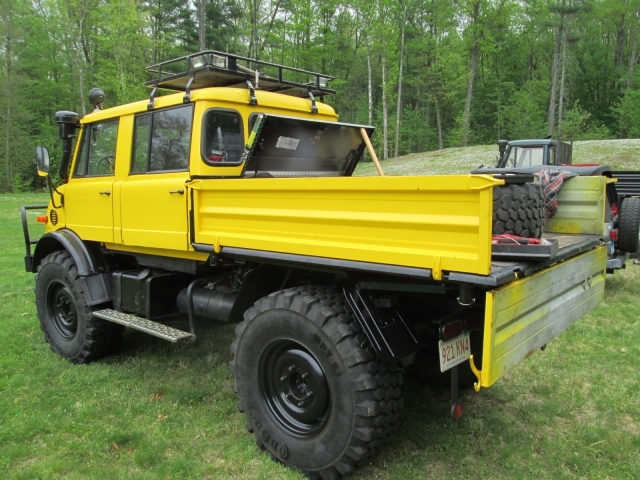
(152, 328)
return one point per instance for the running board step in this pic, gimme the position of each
(152, 328)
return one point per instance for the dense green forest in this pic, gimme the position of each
(429, 74)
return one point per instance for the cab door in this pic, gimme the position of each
(88, 196)
(153, 198)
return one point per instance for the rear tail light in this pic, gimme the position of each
(451, 330)
(614, 235)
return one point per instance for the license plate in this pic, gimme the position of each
(454, 351)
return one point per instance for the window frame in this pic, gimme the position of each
(84, 139)
(152, 113)
(203, 139)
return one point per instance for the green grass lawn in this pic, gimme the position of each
(162, 411)
(618, 154)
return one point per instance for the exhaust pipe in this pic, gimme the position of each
(208, 303)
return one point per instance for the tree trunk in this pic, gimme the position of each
(202, 18)
(427, 122)
(621, 40)
(562, 83)
(7, 120)
(81, 81)
(438, 121)
(154, 36)
(551, 118)
(634, 55)
(475, 50)
(466, 116)
(370, 85)
(254, 33)
(385, 116)
(273, 19)
(399, 106)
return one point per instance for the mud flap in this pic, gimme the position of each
(388, 333)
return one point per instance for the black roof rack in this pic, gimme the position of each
(211, 68)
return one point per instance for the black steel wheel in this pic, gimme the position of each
(62, 309)
(629, 225)
(65, 317)
(294, 388)
(312, 390)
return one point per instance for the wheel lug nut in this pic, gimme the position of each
(283, 378)
(304, 375)
(309, 393)
(300, 404)
(287, 395)
(292, 368)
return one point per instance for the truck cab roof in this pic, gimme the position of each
(537, 142)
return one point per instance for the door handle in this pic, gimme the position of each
(105, 192)
(180, 192)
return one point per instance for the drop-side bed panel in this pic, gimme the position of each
(526, 314)
(438, 223)
(581, 206)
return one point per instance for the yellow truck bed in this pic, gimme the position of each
(440, 223)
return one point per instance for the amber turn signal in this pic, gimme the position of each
(42, 218)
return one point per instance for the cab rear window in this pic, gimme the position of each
(223, 137)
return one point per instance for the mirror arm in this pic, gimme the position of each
(52, 189)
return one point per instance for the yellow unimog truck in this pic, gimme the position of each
(232, 199)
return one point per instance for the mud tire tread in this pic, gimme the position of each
(518, 210)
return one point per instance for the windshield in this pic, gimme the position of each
(525, 156)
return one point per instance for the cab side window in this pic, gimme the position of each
(161, 140)
(223, 137)
(97, 153)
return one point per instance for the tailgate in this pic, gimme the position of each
(524, 315)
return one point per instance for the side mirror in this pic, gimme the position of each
(42, 161)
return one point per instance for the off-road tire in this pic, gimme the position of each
(292, 332)
(629, 225)
(65, 317)
(518, 210)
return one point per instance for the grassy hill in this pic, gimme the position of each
(618, 154)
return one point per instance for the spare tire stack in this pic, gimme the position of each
(518, 209)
